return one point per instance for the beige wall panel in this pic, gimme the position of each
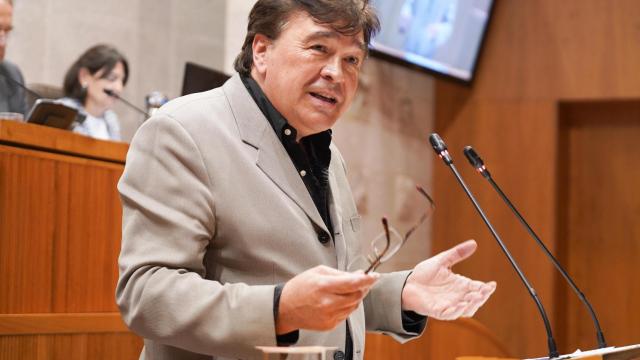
(383, 138)
(157, 37)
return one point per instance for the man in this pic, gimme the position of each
(238, 220)
(12, 97)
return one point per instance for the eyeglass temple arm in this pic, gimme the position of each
(424, 216)
(376, 262)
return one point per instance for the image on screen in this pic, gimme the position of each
(443, 36)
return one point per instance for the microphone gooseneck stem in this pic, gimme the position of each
(553, 351)
(441, 150)
(118, 97)
(476, 161)
(6, 75)
(601, 341)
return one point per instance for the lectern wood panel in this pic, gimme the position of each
(27, 199)
(60, 220)
(70, 347)
(60, 233)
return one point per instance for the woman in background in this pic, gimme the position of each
(100, 68)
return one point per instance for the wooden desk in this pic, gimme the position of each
(60, 220)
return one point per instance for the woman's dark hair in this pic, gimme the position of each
(99, 57)
(268, 17)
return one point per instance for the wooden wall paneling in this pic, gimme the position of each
(505, 151)
(599, 204)
(14, 347)
(537, 54)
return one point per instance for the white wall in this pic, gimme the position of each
(235, 30)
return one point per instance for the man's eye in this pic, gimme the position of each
(353, 60)
(320, 48)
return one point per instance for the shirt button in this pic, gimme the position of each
(303, 173)
(287, 132)
(338, 355)
(323, 237)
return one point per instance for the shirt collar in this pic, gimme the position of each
(285, 132)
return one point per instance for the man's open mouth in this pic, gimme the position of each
(329, 99)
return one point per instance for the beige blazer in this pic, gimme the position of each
(214, 215)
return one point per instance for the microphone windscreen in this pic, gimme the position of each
(110, 93)
(473, 157)
(437, 143)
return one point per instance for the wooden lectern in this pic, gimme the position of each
(60, 226)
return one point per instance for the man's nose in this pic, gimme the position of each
(333, 71)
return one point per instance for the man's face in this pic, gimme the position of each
(6, 25)
(310, 73)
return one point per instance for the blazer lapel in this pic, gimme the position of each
(272, 158)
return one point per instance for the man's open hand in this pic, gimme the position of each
(434, 290)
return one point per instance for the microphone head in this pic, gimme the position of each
(437, 143)
(440, 148)
(110, 93)
(473, 157)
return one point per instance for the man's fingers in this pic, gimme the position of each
(475, 285)
(458, 253)
(488, 288)
(344, 301)
(477, 298)
(346, 283)
(453, 312)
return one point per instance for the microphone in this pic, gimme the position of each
(441, 150)
(477, 163)
(118, 97)
(5, 75)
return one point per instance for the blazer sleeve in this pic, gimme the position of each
(168, 222)
(383, 307)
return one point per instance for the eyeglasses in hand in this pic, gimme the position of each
(387, 244)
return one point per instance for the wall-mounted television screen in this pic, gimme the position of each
(441, 36)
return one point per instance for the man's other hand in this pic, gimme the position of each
(434, 290)
(320, 298)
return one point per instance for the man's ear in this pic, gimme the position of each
(260, 47)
